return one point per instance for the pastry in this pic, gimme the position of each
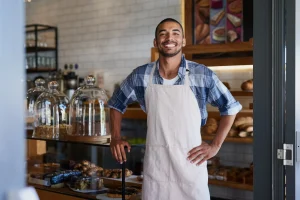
(239, 121)
(247, 85)
(232, 36)
(201, 31)
(236, 22)
(219, 34)
(235, 6)
(217, 18)
(243, 134)
(233, 132)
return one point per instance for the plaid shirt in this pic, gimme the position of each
(203, 82)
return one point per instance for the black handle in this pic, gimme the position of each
(123, 180)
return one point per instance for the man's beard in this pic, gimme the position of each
(168, 54)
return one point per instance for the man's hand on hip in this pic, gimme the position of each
(202, 153)
(117, 147)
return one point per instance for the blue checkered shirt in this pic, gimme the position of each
(203, 82)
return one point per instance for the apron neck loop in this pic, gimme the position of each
(186, 77)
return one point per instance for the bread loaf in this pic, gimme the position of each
(247, 85)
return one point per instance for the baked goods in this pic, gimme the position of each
(247, 85)
(201, 31)
(140, 178)
(236, 21)
(85, 183)
(89, 169)
(217, 18)
(211, 126)
(219, 34)
(235, 6)
(116, 173)
(49, 131)
(233, 132)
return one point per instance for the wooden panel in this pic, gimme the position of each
(188, 21)
(35, 147)
(218, 48)
(47, 195)
(241, 93)
(224, 61)
(230, 184)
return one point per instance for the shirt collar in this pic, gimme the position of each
(181, 70)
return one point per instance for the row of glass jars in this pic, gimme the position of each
(56, 117)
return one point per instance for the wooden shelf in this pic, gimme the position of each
(230, 184)
(39, 49)
(241, 93)
(36, 70)
(246, 140)
(236, 54)
(218, 48)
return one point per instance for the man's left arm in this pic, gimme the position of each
(220, 97)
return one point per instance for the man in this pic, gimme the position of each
(174, 93)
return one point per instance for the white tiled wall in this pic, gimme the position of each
(113, 37)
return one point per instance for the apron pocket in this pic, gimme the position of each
(157, 163)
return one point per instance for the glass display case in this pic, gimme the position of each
(51, 117)
(31, 97)
(88, 112)
(65, 170)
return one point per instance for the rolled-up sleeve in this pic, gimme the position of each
(124, 95)
(219, 96)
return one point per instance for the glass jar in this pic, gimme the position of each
(31, 97)
(88, 111)
(51, 116)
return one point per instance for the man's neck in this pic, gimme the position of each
(168, 66)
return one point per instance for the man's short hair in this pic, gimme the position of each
(168, 20)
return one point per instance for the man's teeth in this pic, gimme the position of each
(170, 45)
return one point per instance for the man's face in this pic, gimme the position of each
(169, 39)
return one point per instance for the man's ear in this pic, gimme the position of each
(154, 43)
(183, 42)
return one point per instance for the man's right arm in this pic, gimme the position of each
(117, 144)
(118, 104)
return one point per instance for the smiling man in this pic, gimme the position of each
(173, 92)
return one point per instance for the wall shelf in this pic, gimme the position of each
(245, 140)
(39, 49)
(230, 184)
(241, 93)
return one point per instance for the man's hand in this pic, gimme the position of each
(202, 153)
(117, 147)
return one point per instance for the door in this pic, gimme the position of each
(12, 89)
(292, 130)
(276, 99)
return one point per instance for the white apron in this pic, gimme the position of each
(173, 120)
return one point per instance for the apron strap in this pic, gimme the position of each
(151, 74)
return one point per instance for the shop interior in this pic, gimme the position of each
(89, 47)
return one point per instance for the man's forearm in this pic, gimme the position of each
(115, 120)
(223, 129)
